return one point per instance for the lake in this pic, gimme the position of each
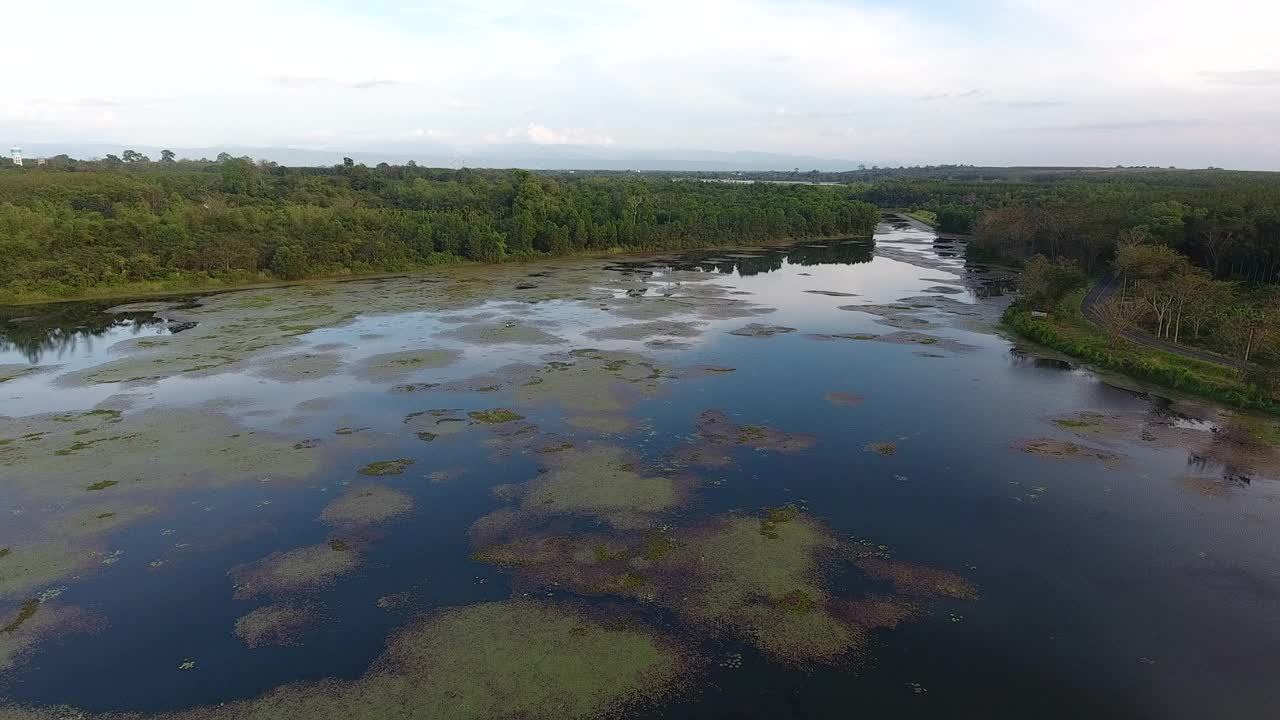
(809, 481)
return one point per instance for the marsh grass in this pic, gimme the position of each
(495, 417)
(386, 467)
(884, 449)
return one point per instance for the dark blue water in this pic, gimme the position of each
(1109, 592)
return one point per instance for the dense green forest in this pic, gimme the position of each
(1196, 253)
(1191, 258)
(69, 226)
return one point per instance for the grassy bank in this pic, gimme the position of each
(1067, 331)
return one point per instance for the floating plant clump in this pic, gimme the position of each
(602, 481)
(762, 579)
(366, 505)
(281, 625)
(399, 365)
(386, 467)
(885, 449)
(1064, 450)
(35, 621)
(715, 432)
(295, 572)
(298, 367)
(495, 417)
(589, 381)
(492, 661)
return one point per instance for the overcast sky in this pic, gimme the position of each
(1078, 82)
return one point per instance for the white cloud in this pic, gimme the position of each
(829, 78)
(543, 135)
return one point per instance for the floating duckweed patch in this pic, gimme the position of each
(28, 609)
(397, 365)
(28, 568)
(1080, 422)
(885, 449)
(37, 622)
(605, 553)
(492, 661)
(880, 310)
(299, 367)
(104, 414)
(495, 417)
(498, 525)
(304, 570)
(657, 546)
(591, 381)
(796, 601)
(233, 329)
(603, 424)
(773, 516)
(319, 404)
(645, 331)
(744, 581)
(915, 579)
(907, 322)
(1051, 447)
(80, 445)
(151, 451)
(843, 399)
(600, 480)
(715, 428)
(413, 388)
(914, 338)
(1062, 450)
(281, 625)
(873, 612)
(386, 467)
(432, 424)
(13, 372)
(97, 518)
(367, 505)
(509, 333)
(756, 330)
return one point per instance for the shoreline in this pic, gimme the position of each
(146, 290)
(1066, 334)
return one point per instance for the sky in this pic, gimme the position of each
(891, 82)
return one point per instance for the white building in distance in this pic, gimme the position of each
(16, 154)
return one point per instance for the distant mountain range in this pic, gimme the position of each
(531, 156)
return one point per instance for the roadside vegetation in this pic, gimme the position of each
(1065, 329)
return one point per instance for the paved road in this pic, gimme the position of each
(1108, 287)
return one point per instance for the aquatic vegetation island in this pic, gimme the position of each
(782, 480)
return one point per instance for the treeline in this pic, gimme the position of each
(1194, 255)
(74, 225)
(1226, 222)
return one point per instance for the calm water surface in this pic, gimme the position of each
(1107, 589)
